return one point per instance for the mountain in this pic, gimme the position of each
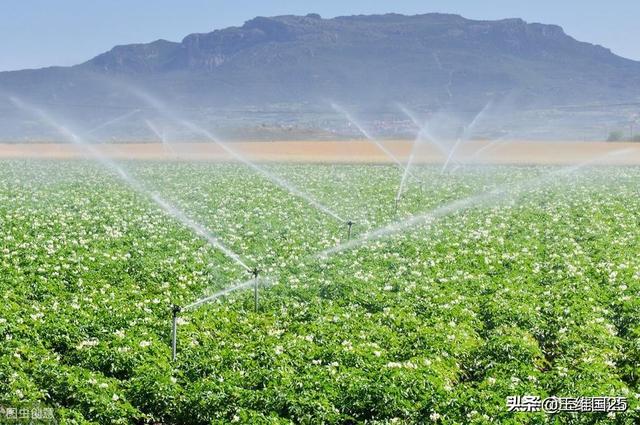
(302, 63)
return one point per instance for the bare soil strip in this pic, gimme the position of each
(356, 151)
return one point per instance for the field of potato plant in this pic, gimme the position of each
(531, 294)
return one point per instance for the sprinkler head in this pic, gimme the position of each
(349, 224)
(175, 309)
(254, 272)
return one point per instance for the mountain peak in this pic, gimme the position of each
(434, 60)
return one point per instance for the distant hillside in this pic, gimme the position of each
(299, 63)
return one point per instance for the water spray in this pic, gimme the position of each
(113, 121)
(175, 309)
(466, 134)
(370, 138)
(482, 198)
(136, 185)
(427, 218)
(423, 130)
(189, 125)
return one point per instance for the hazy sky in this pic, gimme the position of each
(38, 33)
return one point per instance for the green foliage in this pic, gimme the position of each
(535, 294)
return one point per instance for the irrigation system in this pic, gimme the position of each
(254, 273)
(349, 225)
(287, 186)
(254, 282)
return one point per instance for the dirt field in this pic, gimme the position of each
(504, 152)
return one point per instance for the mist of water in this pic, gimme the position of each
(113, 121)
(262, 281)
(403, 179)
(423, 130)
(487, 147)
(161, 136)
(129, 180)
(366, 133)
(156, 131)
(277, 180)
(197, 228)
(399, 227)
(491, 196)
(219, 294)
(468, 131)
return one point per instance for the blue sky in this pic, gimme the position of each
(38, 33)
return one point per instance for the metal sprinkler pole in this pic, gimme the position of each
(349, 225)
(255, 272)
(174, 331)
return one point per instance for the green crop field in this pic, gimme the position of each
(531, 289)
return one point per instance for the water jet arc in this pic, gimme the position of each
(132, 182)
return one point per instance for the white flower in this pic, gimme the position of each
(279, 350)
(88, 343)
(145, 344)
(37, 316)
(434, 416)
(115, 397)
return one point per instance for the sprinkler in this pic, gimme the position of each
(175, 309)
(349, 225)
(254, 273)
